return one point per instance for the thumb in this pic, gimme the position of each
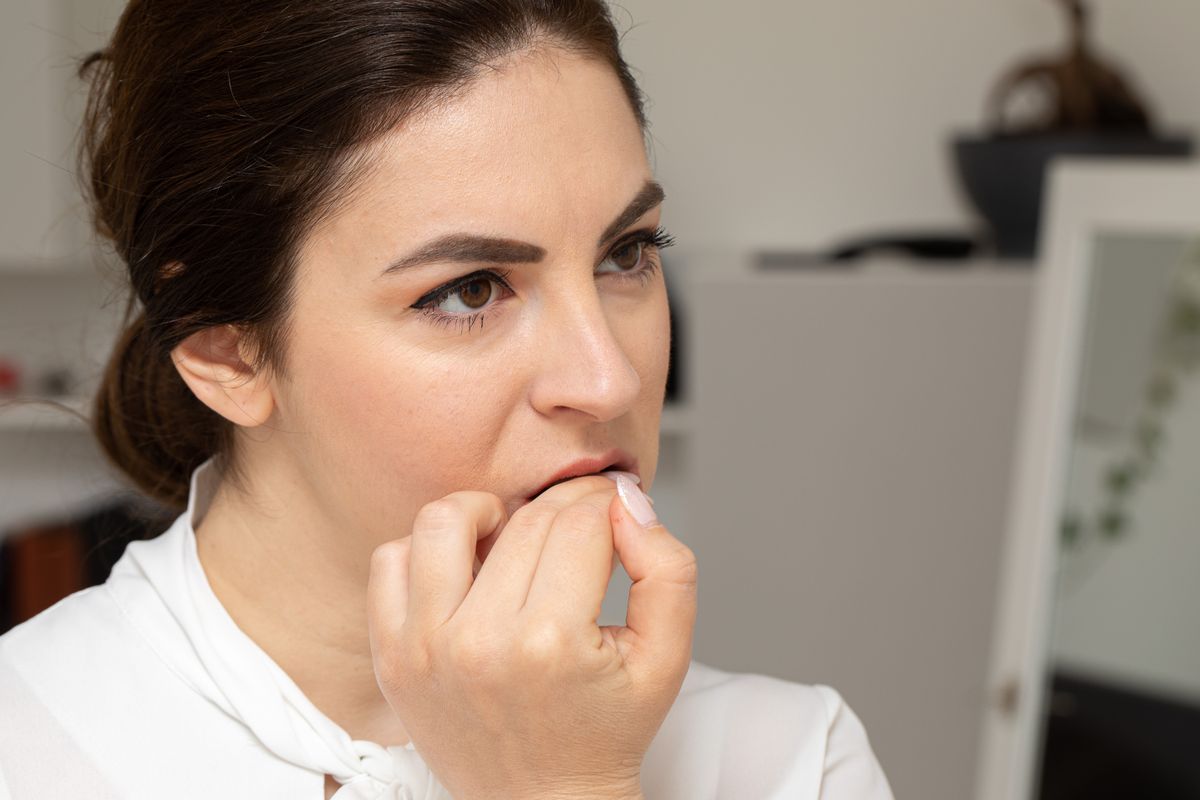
(662, 598)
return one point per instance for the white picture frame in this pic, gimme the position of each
(1085, 198)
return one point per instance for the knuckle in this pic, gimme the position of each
(544, 643)
(681, 560)
(389, 555)
(465, 498)
(437, 514)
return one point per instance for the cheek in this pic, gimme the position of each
(650, 353)
(405, 417)
(652, 349)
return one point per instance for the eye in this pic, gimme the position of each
(633, 256)
(627, 256)
(472, 295)
(466, 295)
(468, 300)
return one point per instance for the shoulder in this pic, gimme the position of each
(104, 714)
(80, 659)
(99, 653)
(752, 735)
(42, 661)
(61, 631)
(95, 639)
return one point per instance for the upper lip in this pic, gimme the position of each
(613, 459)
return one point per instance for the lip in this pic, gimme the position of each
(615, 459)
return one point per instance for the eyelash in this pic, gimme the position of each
(653, 240)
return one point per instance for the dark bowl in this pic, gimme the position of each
(1003, 176)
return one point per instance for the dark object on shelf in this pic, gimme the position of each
(938, 247)
(38, 567)
(1104, 742)
(58, 382)
(1078, 90)
(1083, 107)
(41, 564)
(1003, 176)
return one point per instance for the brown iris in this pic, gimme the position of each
(627, 256)
(476, 293)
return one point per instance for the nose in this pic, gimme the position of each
(581, 364)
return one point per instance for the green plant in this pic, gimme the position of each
(1176, 359)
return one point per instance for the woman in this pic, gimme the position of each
(399, 360)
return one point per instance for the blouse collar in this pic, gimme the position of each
(162, 585)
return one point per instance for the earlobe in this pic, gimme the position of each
(211, 363)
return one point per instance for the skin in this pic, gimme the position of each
(383, 411)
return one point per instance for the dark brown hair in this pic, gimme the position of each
(217, 133)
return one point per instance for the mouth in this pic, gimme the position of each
(612, 460)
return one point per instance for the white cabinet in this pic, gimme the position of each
(851, 444)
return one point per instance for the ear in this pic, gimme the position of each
(213, 363)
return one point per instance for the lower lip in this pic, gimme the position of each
(551, 486)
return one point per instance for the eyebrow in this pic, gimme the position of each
(471, 248)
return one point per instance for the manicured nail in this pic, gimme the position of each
(613, 473)
(636, 503)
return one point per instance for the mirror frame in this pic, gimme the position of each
(1085, 197)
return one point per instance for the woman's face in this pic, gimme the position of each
(405, 383)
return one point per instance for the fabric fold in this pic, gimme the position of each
(188, 627)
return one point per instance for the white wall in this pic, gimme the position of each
(797, 123)
(35, 152)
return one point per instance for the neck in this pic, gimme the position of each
(297, 587)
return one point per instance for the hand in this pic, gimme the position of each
(504, 682)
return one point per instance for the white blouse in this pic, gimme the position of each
(144, 688)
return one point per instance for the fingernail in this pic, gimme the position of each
(636, 503)
(613, 473)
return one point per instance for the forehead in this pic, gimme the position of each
(546, 141)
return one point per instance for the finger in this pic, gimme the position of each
(576, 563)
(444, 538)
(661, 613)
(503, 582)
(387, 592)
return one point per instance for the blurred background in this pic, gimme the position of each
(856, 191)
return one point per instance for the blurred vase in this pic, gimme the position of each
(1003, 175)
